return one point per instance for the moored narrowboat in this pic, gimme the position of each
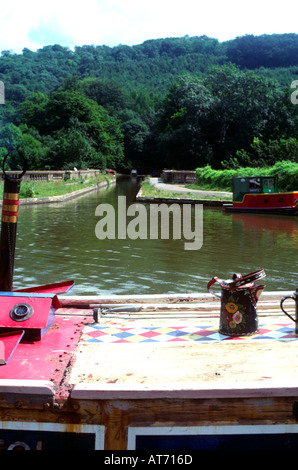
(260, 194)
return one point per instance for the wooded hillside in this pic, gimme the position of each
(174, 102)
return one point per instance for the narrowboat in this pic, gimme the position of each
(260, 194)
(150, 373)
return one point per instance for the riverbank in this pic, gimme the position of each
(68, 190)
(156, 191)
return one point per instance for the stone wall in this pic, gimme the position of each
(179, 176)
(54, 175)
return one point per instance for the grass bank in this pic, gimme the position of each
(40, 189)
(209, 179)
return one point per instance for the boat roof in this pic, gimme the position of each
(164, 349)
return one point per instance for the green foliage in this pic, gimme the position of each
(77, 131)
(248, 105)
(152, 65)
(106, 93)
(287, 175)
(263, 154)
(208, 119)
(209, 178)
(28, 190)
(183, 124)
(276, 50)
(173, 102)
(33, 189)
(33, 109)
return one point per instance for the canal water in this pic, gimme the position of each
(58, 243)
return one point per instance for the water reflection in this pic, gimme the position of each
(57, 243)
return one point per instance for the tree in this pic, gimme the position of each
(275, 50)
(33, 110)
(245, 106)
(136, 133)
(77, 129)
(268, 153)
(33, 149)
(64, 107)
(216, 110)
(106, 93)
(10, 137)
(183, 122)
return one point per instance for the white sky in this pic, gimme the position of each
(37, 23)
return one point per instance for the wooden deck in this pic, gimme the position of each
(176, 349)
(159, 369)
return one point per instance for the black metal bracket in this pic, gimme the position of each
(295, 410)
(19, 176)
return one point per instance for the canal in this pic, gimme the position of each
(58, 243)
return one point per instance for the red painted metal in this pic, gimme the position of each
(48, 359)
(56, 288)
(41, 308)
(268, 201)
(8, 342)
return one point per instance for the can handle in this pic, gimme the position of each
(213, 281)
(222, 283)
(239, 280)
(281, 306)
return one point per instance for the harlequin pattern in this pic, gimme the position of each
(111, 334)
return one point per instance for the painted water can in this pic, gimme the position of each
(239, 298)
(295, 298)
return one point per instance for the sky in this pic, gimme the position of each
(34, 24)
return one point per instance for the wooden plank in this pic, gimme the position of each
(211, 390)
(193, 367)
(204, 369)
(33, 387)
(118, 415)
(180, 297)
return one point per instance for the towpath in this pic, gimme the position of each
(157, 182)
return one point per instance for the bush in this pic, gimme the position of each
(287, 173)
(28, 190)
